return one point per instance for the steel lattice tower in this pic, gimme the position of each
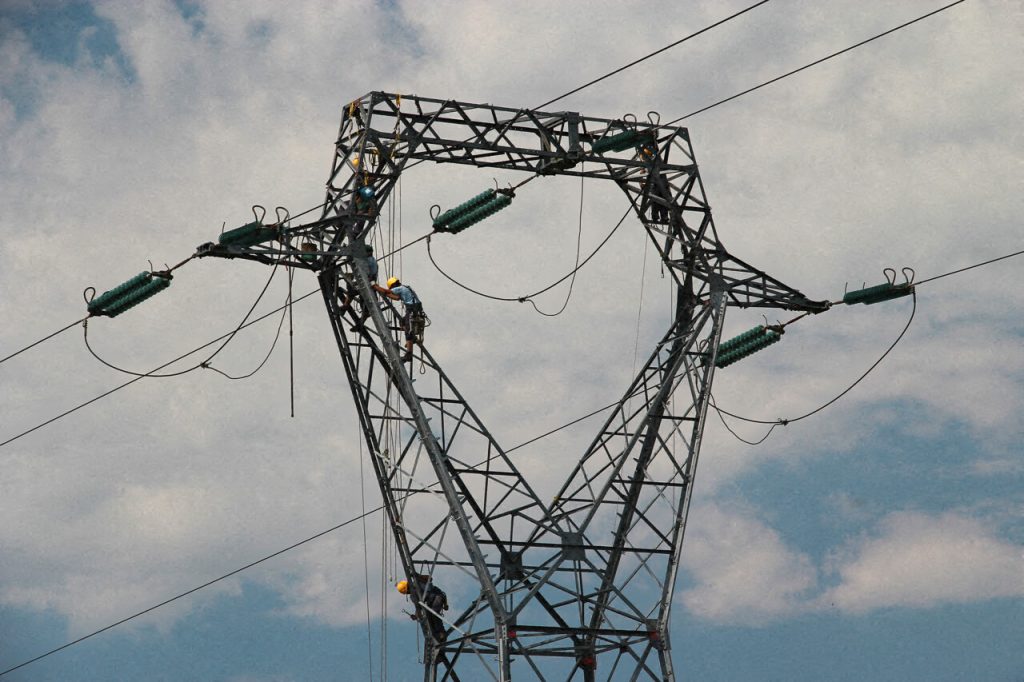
(581, 587)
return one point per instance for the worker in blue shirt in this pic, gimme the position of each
(413, 319)
(371, 272)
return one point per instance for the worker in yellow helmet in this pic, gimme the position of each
(434, 603)
(414, 320)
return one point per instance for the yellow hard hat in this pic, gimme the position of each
(402, 586)
(392, 282)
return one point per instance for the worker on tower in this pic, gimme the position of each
(434, 604)
(413, 320)
(372, 271)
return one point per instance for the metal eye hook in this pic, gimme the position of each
(910, 277)
(654, 118)
(89, 296)
(435, 211)
(890, 275)
(259, 216)
(287, 215)
(629, 119)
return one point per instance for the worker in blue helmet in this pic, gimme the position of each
(413, 318)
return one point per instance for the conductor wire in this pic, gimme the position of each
(205, 363)
(527, 297)
(785, 422)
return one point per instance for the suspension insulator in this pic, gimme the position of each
(442, 221)
(760, 341)
(878, 293)
(737, 341)
(620, 142)
(615, 143)
(480, 207)
(133, 292)
(249, 234)
(107, 297)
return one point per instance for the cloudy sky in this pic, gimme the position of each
(881, 539)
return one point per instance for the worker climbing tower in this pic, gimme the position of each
(575, 588)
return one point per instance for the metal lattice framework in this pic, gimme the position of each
(579, 588)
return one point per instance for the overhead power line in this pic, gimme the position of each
(280, 551)
(656, 52)
(785, 422)
(45, 338)
(969, 267)
(816, 62)
(156, 369)
(194, 589)
(718, 410)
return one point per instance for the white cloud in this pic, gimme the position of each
(919, 561)
(172, 482)
(744, 572)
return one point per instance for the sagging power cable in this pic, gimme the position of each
(784, 422)
(156, 369)
(171, 362)
(527, 297)
(205, 364)
(790, 420)
(166, 272)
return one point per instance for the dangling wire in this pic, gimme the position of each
(640, 308)
(786, 422)
(576, 265)
(291, 341)
(205, 363)
(366, 560)
(527, 297)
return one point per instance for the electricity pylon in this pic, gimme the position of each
(581, 587)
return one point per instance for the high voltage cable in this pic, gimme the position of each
(527, 297)
(205, 363)
(785, 422)
(281, 551)
(156, 369)
(816, 62)
(180, 357)
(45, 338)
(969, 267)
(656, 52)
(194, 589)
(631, 64)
